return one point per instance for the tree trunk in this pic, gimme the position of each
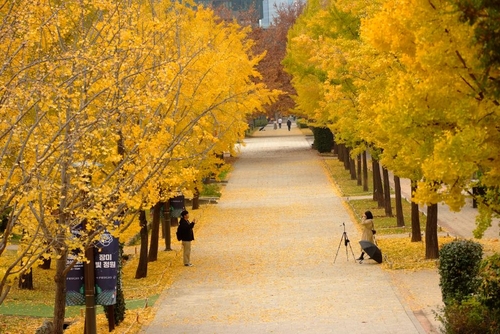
(110, 314)
(333, 143)
(358, 171)
(399, 202)
(60, 287)
(26, 280)
(163, 206)
(196, 199)
(45, 263)
(387, 193)
(431, 237)
(155, 233)
(365, 173)
(142, 267)
(347, 161)
(378, 190)
(167, 229)
(340, 152)
(374, 180)
(416, 235)
(352, 164)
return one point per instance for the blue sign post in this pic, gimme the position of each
(94, 283)
(106, 269)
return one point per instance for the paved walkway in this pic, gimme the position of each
(264, 262)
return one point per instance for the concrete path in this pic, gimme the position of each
(264, 261)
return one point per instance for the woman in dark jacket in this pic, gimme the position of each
(186, 235)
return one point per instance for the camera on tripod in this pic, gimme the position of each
(346, 242)
(346, 239)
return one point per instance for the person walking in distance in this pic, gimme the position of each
(289, 124)
(186, 235)
(367, 223)
(279, 122)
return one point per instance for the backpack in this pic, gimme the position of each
(178, 234)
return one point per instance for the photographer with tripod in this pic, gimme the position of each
(368, 228)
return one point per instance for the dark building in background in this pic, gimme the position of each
(236, 6)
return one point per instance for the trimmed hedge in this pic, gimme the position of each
(458, 269)
(471, 288)
(323, 139)
(301, 123)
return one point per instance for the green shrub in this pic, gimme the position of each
(458, 269)
(323, 139)
(223, 174)
(210, 190)
(301, 123)
(260, 122)
(469, 317)
(489, 289)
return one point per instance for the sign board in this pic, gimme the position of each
(106, 269)
(75, 289)
(176, 206)
(106, 257)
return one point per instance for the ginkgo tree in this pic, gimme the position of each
(207, 101)
(334, 49)
(122, 98)
(437, 102)
(411, 84)
(299, 61)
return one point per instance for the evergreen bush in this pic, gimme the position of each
(459, 263)
(301, 123)
(469, 317)
(323, 139)
(489, 289)
(470, 288)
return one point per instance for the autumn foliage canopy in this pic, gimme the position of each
(415, 82)
(108, 107)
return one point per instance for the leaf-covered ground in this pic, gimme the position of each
(400, 255)
(139, 294)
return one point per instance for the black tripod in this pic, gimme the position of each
(346, 242)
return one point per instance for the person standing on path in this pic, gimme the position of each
(279, 122)
(186, 235)
(289, 124)
(367, 223)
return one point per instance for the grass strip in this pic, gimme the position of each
(47, 311)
